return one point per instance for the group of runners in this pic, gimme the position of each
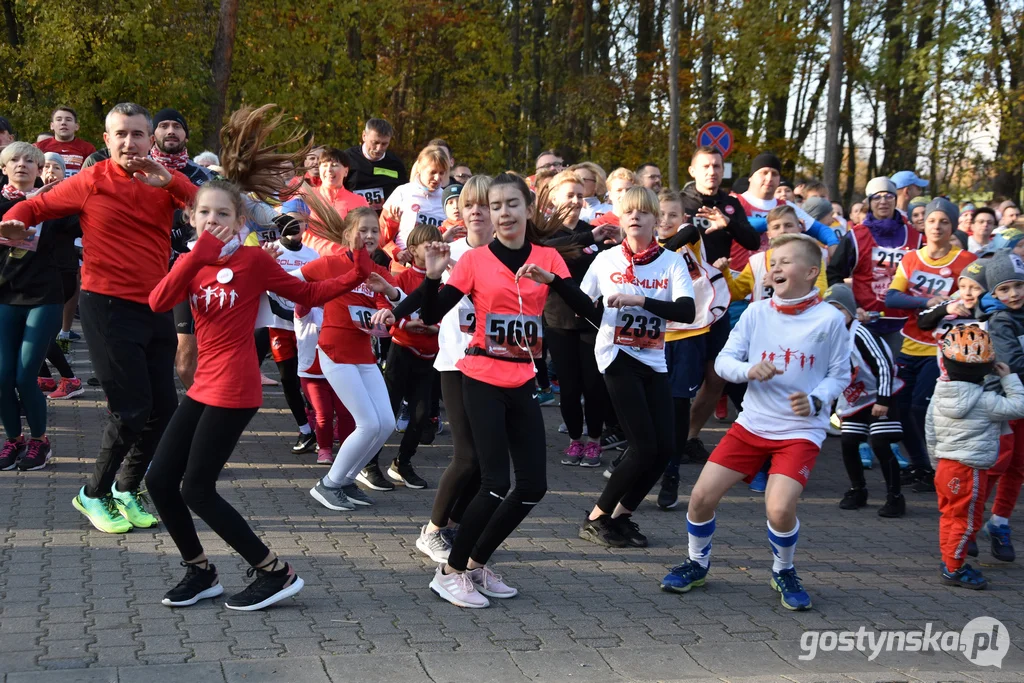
(382, 295)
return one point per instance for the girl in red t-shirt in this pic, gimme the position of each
(346, 356)
(498, 383)
(223, 282)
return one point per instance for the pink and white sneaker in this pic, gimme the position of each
(490, 584)
(324, 456)
(591, 455)
(573, 454)
(457, 589)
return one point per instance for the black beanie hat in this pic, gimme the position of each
(169, 114)
(765, 160)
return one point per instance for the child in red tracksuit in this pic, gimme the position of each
(409, 371)
(962, 431)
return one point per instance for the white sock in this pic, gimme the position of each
(783, 545)
(996, 520)
(699, 536)
(64, 335)
(304, 429)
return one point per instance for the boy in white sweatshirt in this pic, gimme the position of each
(794, 351)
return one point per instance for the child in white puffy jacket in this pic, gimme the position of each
(962, 429)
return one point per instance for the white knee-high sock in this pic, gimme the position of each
(783, 545)
(700, 540)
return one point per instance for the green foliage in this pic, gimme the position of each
(503, 79)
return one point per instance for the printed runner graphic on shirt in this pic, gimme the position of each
(514, 336)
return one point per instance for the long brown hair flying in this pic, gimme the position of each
(247, 157)
(325, 221)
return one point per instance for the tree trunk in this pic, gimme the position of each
(673, 89)
(835, 87)
(537, 35)
(707, 56)
(641, 109)
(220, 72)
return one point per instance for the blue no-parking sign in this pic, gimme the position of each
(716, 134)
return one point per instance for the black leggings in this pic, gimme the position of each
(194, 449)
(881, 445)
(507, 423)
(289, 370)
(57, 360)
(411, 378)
(461, 479)
(578, 377)
(53, 353)
(643, 399)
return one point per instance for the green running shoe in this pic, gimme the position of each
(131, 505)
(102, 512)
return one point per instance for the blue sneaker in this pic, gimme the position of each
(74, 336)
(546, 397)
(683, 577)
(867, 457)
(794, 596)
(760, 482)
(999, 537)
(904, 463)
(965, 577)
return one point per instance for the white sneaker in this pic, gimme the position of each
(457, 589)
(490, 584)
(433, 545)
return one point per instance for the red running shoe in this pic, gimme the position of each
(69, 387)
(722, 409)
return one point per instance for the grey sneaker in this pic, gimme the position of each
(356, 495)
(433, 545)
(332, 499)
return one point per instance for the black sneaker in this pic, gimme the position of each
(854, 499)
(306, 443)
(629, 530)
(602, 531)
(37, 454)
(403, 472)
(895, 506)
(197, 585)
(908, 475)
(93, 381)
(373, 478)
(924, 482)
(268, 588)
(668, 497)
(612, 438)
(11, 451)
(694, 452)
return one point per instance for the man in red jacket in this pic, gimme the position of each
(125, 205)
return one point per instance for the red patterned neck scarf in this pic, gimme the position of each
(796, 306)
(174, 162)
(641, 258)
(11, 192)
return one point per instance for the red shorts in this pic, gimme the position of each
(743, 452)
(282, 345)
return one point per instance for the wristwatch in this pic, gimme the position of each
(817, 404)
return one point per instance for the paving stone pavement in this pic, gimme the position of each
(79, 605)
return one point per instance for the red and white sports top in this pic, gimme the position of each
(875, 268)
(507, 336)
(345, 334)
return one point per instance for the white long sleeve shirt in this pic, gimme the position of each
(811, 348)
